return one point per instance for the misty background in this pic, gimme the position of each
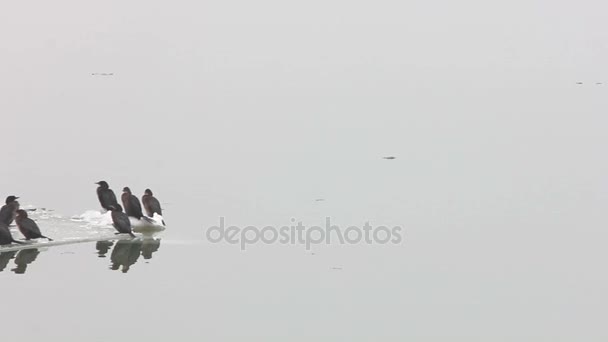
(253, 109)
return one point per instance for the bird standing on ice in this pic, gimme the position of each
(105, 195)
(151, 204)
(28, 227)
(121, 220)
(131, 204)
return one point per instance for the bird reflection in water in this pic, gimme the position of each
(126, 252)
(24, 258)
(103, 247)
(148, 247)
(5, 257)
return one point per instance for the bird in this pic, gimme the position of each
(28, 227)
(105, 195)
(121, 220)
(131, 203)
(5, 235)
(9, 210)
(151, 204)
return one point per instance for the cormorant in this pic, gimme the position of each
(151, 204)
(5, 235)
(121, 220)
(131, 204)
(28, 227)
(9, 210)
(106, 195)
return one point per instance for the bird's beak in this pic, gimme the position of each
(97, 183)
(16, 197)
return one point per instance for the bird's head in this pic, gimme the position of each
(11, 198)
(103, 184)
(148, 192)
(21, 213)
(126, 189)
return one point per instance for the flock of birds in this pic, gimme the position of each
(11, 212)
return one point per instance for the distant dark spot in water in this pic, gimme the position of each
(598, 83)
(389, 157)
(579, 83)
(320, 200)
(102, 74)
(337, 268)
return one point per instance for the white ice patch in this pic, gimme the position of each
(94, 218)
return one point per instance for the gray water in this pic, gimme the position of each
(254, 110)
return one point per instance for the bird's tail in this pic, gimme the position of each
(132, 235)
(19, 242)
(48, 238)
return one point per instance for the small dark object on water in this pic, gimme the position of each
(389, 157)
(579, 83)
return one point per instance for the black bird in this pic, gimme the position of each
(121, 220)
(151, 204)
(6, 238)
(106, 195)
(131, 204)
(9, 210)
(28, 227)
